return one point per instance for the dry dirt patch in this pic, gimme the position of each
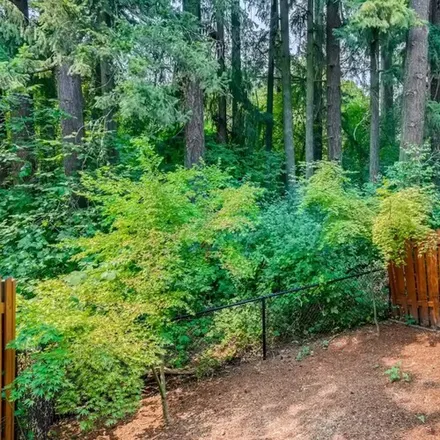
(340, 392)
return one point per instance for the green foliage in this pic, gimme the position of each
(179, 242)
(234, 333)
(407, 207)
(33, 217)
(172, 238)
(355, 125)
(344, 214)
(382, 15)
(395, 374)
(253, 169)
(402, 216)
(303, 353)
(107, 258)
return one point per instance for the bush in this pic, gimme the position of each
(172, 245)
(182, 241)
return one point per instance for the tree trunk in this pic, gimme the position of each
(236, 76)
(23, 6)
(161, 383)
(194, 128)
(287, 93)
(222, 127)
(110, 126)
(271, 73)
(319, 70)
(435, 78)
(389, 123)
(310, 89)
(107, 77)
(374, 106)
(72, 121)
(107, 86)
(3, 131)
(333, 83)
(22, 116)
(414, 86)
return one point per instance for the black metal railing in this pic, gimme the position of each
(357, 298)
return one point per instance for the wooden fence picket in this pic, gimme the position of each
(415, 285)
(7, 355)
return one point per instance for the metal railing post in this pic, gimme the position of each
(263, 322)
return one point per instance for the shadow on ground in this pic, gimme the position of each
(337, 393)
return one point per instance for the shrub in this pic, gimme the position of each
(172, 245)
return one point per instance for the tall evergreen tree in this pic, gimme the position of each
(273, 31)
(71, 104)
(236, 74)
(333, 82)
(107, 83)
(374, 105)
(194, 128)
(435, 74)
(319, 63)
(387, 93)
(310, 80)
(22, 114)
(414, 87)
(222, 127)
(287, 92)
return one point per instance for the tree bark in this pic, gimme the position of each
(333, 83)
(389, 123)
(435, 78)
(236, 76)
(374, 106)
(222, 127)
(22, 116)
(194, 128)
(161, 383)
(72, 120)
(287, 93)
(271, 73)
(319, 70)
(310, 89)
(107, 86)
(3, 131)
(110, 126)
(107, 82)
(414, 86)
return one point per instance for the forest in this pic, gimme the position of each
(161, 157)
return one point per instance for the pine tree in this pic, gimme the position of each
(72, 122)
(387, 93)
(236, 74)
(319, 63)
(222, 128)
(287, 93)
(414, 87)
(333, 82)
(273, 32)
(310, 80)
(374, 105)
(22, 115)
(194, 128)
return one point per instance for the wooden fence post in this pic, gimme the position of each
(7, 355)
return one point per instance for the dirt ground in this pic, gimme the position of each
(339, 392)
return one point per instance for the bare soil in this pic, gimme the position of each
(339, 392)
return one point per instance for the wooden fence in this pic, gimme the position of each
(7, 355)
(415, 286)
